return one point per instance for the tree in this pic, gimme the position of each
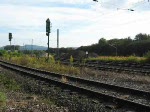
(102, 41)
(125, 47)
(141, 36)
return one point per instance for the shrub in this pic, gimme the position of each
(52, 59)
(51, 65)
(147, 56)
(71, 60)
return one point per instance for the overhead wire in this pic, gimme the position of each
(138, 3)
(128, 22)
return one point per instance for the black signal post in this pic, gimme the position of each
(48, 31)
(10, 37)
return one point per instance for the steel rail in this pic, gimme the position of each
(92, 82)
(132, 67)
(94, 93)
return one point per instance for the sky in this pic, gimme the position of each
(80, 22)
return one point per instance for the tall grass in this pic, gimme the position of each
(40, 63)
(120, 59)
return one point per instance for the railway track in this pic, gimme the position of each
(111, 66)
(122, 96)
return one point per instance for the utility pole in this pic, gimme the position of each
(115, 48)
(58, 43)
(48, 31)
(32, 47)
(23, 47)
(14, 45)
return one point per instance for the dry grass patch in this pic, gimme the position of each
(64, 79)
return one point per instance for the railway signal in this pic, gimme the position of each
(48, 25)
(10, 37)
(48, 31)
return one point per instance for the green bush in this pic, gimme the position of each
(71, 60)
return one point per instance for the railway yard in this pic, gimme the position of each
(95, 90)
(74, 56)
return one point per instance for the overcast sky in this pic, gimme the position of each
(81, 22)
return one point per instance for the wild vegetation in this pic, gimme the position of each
(56, 66)
(131, 59)
(6, 84)
(138, 46)
(40, 63)
(2, 99)
(127, 50)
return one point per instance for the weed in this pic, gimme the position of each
(71, 60)
(120, 59)
(64, 79)
(8, 83)
(147, 56)
(40, 63)
(2, 99)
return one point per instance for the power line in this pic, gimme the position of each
(138, 4)
(99, 17)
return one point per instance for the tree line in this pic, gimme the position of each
(121, 47)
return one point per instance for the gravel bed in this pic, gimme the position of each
(22, 102)
(128, 96)
(136, 81)
(142, 100)
(65, 99)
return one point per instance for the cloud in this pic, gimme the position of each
(81, 22)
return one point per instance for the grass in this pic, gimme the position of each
(64, 79)
(16, 99)
(2, 99)
(120, 59)
(51, 65)
(8, 83)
